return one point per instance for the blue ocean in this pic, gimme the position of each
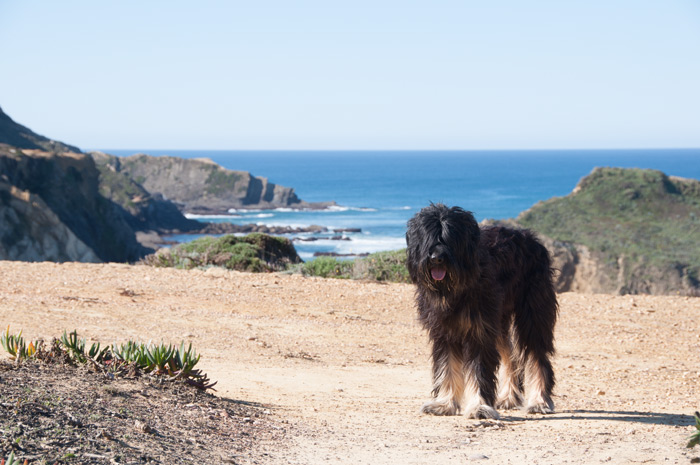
(378, 191)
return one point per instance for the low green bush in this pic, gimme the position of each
(382, 266)
(158, 359)
(255, 252)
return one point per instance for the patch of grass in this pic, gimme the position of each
(258, 252)
(384, 266)
(255, 252)
(381, 266)
(220, 180)
(328, 267)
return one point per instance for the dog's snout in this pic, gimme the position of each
(437, 258)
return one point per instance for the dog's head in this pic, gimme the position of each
(441, 247)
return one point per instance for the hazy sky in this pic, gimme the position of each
(286, 74)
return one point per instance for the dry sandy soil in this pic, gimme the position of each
(345, 366)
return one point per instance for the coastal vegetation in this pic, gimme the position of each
(621, 231)
(642, 228)
(73, 402)
(254, 252)
(259, 252)
(381, 266)
(176, 363)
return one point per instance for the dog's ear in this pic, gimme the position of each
(464, 234)
(413, 242)
(467, 222)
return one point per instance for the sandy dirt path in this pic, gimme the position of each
(345, 365)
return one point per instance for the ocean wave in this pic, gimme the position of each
(340, 208)
(244, 210)
(328, 209)
(356, 245)
(259, 215)
(193, 216)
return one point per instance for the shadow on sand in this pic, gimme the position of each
(647, 418)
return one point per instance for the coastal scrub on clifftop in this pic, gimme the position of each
(60, 204)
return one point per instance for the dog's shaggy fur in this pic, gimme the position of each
(486, 298)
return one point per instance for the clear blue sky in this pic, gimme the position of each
(285, 74)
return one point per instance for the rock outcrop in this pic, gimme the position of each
(623, 231)
(30, 231)
(144, 211)
(65, 185)
(202, 186)
(59, 204)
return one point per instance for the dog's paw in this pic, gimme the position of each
(440, 408)
(513, 401)
(544, 408)
(484, 412)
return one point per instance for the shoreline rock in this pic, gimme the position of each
(230, 228)
(336, 254)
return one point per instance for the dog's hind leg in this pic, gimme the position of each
(509, 377)
(534, 325)
(448, 379)
(539, 382)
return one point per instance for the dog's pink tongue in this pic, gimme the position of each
(438, 274)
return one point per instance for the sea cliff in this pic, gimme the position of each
(60, 204)
(52, 210)
(204, 187)
(623, 231)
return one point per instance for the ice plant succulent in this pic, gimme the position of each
(158, 359)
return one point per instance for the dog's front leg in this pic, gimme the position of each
(448, 379)
(480, 367)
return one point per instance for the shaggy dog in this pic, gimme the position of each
(486, 298)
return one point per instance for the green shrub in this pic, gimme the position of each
(384, 266)
(381, 266)
(328, 267)
(255, 252)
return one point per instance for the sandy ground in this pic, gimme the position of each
(345, 365)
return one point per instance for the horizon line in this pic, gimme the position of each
(144, 150)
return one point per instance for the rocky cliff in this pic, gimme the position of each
(145, 211)
(30, 231)
(202, 186)
(623, 231)
(59, 204)
(61, 189)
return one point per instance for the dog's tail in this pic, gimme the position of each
(537, 316)
(534, 323)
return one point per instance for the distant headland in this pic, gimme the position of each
(58, 203)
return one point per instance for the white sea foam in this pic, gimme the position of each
(340, 208)
(193, 216)
(260, 215)
(247, 210)
(357, 245)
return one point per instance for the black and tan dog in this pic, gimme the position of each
(485, 296)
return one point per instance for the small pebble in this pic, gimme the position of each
(478, 457)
